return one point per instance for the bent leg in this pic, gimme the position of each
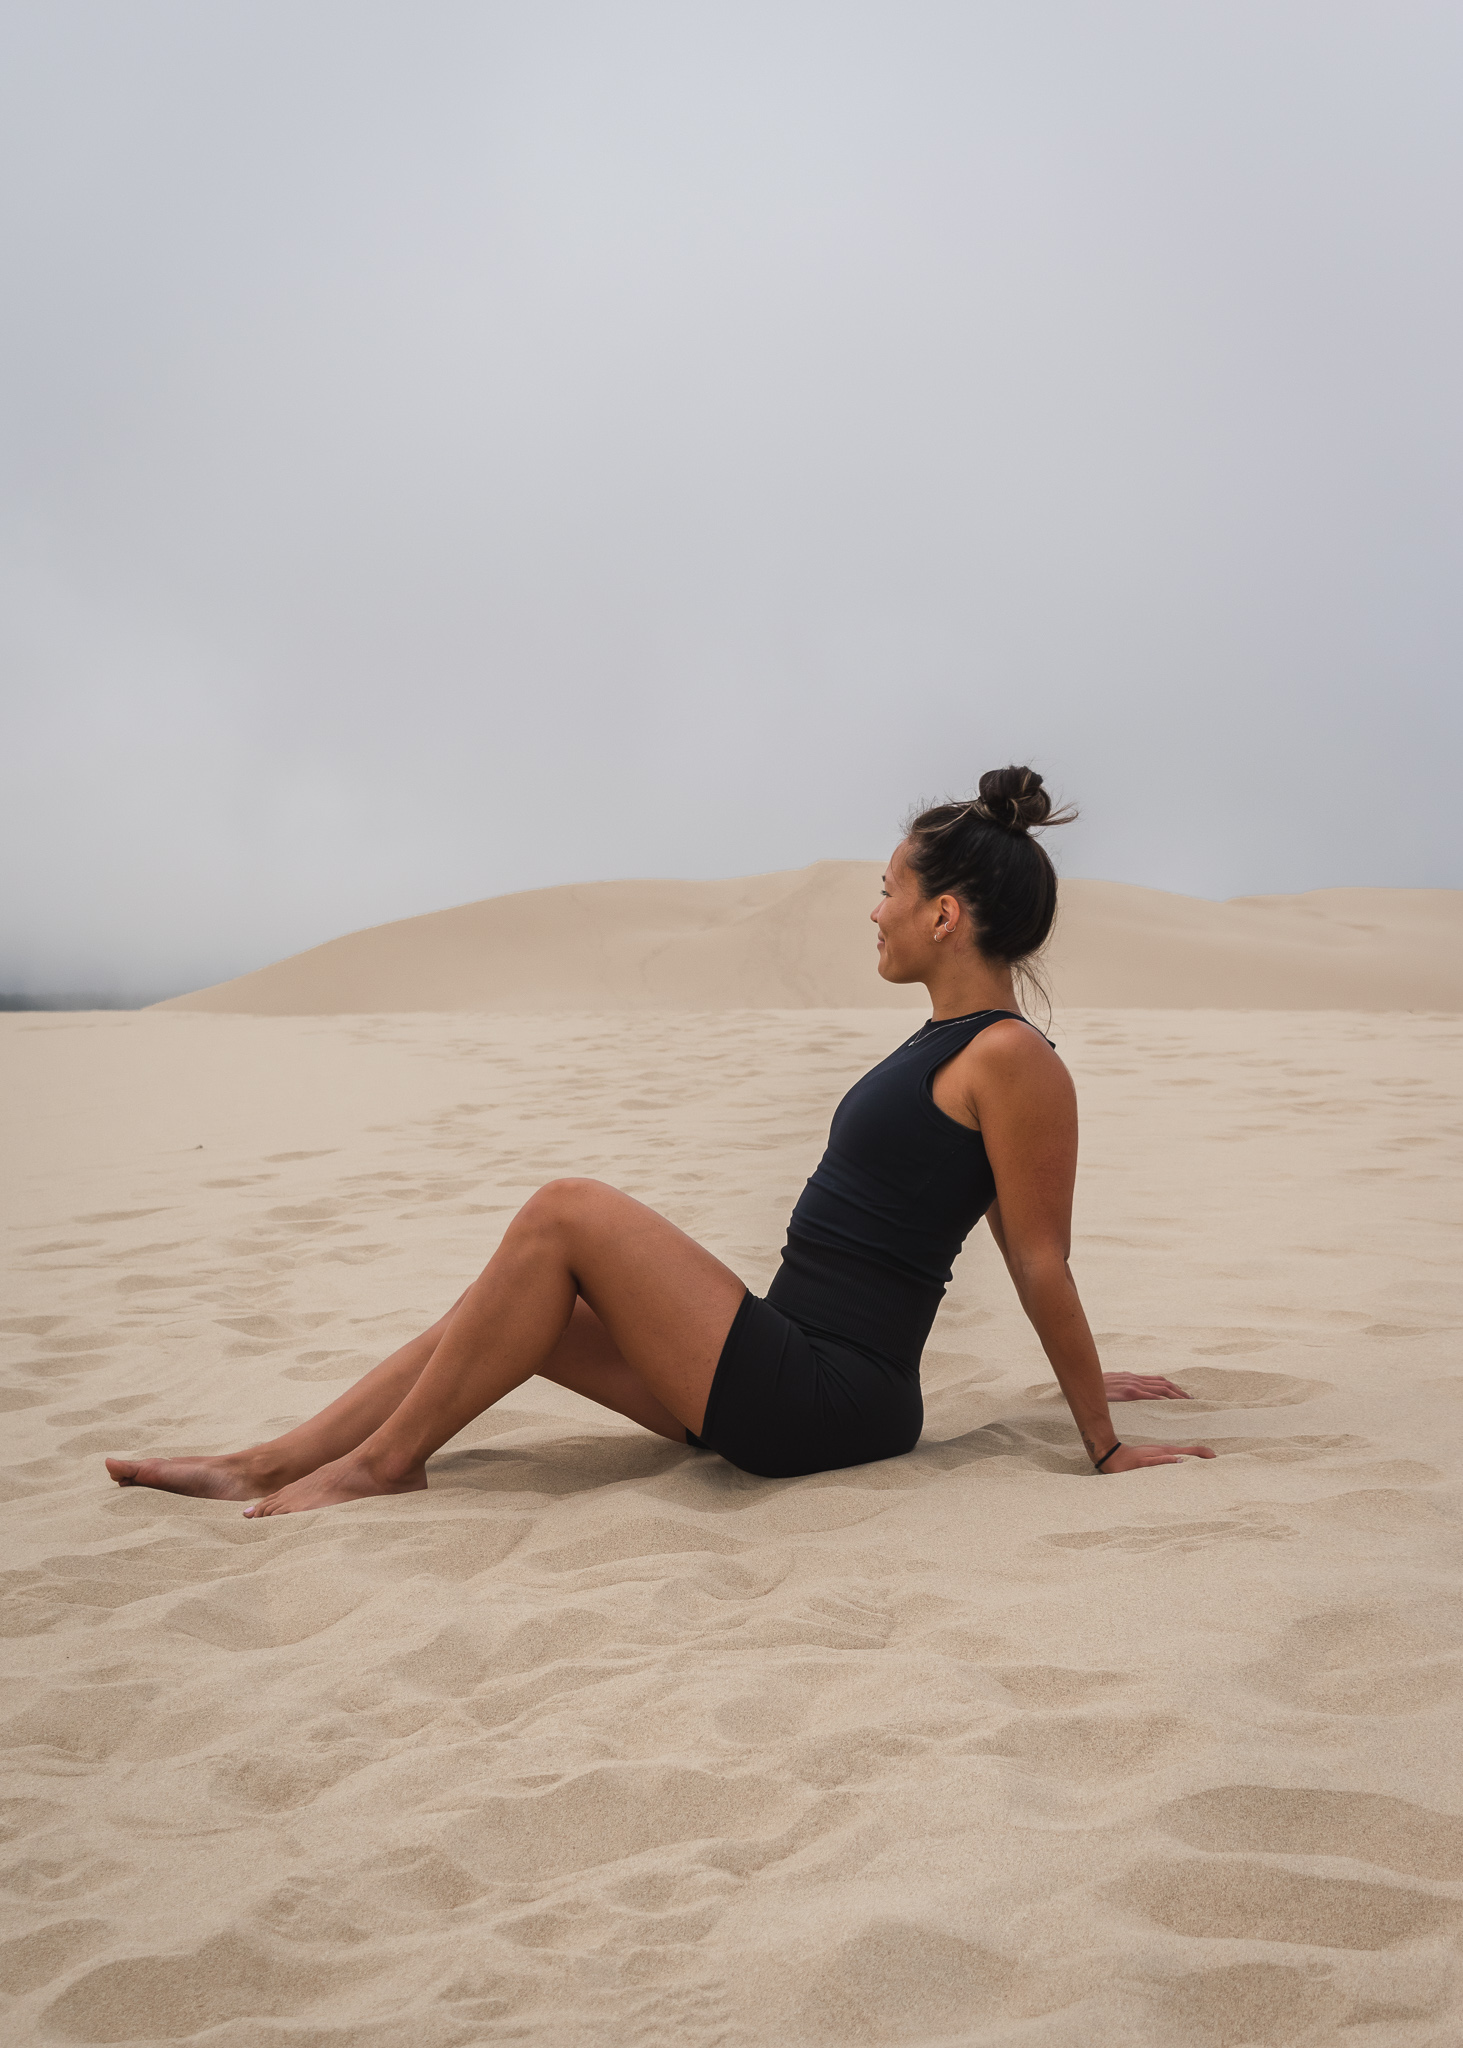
(665, 1303)
(587, 1360)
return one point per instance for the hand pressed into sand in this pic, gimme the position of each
(1135, 1457)
(1141, 1386)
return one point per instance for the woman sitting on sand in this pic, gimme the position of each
(973, 1116)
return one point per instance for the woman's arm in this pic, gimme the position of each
(1048, 1293)
(1024, 1103)
(1118, 1386)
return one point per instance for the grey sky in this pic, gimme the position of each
(451, 448)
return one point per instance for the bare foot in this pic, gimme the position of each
(238, 1477)
(348, 1478)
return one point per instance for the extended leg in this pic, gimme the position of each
(264, 1468)
(665, 1303)
(585, 1358)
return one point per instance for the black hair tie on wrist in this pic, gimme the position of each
(1100, 1462)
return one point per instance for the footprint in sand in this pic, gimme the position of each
(77, 1418)
(20, 1818)
(261, 1781)
(1213, 1386)
(31, 1960)
(119, 1215)
(1236, 1898)
(426, 1879)
(1248, 2003)
(232, 1976)
(888, 1980)
(1237, 1525)
(852, 1756)
(1373, 1657)
(1276, 1820)
(1037, 1444)
(1402, 1511)
(628, 1538)
(1284, 1450)
(306, 1216)
(81, 1724)
(451, 1666)
(265, 1612)
(612, 1811)
(1094, 1744)
(65, 1873)
(777, 1710)
(1054, 1685)
(78, 1351)
(1209, 1387)
(301, 1912)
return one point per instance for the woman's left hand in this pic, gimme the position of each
(1137, 1457)
(1141, 1386)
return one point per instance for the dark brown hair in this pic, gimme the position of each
(983, 853)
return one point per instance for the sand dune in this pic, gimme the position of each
(601, 1741)
(801, 940)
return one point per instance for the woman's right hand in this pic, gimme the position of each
(1135, 1457)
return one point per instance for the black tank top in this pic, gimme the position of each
(877, 1229)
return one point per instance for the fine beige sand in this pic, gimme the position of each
(801, 941)
(602, 1741)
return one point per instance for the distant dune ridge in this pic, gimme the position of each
(801, 940)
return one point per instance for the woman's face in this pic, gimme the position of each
(907, 921)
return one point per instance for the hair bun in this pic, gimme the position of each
(1013, 798)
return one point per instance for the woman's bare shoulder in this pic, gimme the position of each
(1014, 1054)
(1015, 1043)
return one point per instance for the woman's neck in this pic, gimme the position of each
(967, 982)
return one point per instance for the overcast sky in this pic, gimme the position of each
(452, 448)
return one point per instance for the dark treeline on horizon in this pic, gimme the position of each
(89, 1000)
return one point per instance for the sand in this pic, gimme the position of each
(801, 940)
(602, 1741)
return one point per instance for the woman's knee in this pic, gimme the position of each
(559, 1204)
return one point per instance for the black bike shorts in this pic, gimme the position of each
(786, 1401)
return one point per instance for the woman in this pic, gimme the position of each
(974, 1115)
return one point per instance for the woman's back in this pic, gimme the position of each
(901, 1182)
(877, 1228)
